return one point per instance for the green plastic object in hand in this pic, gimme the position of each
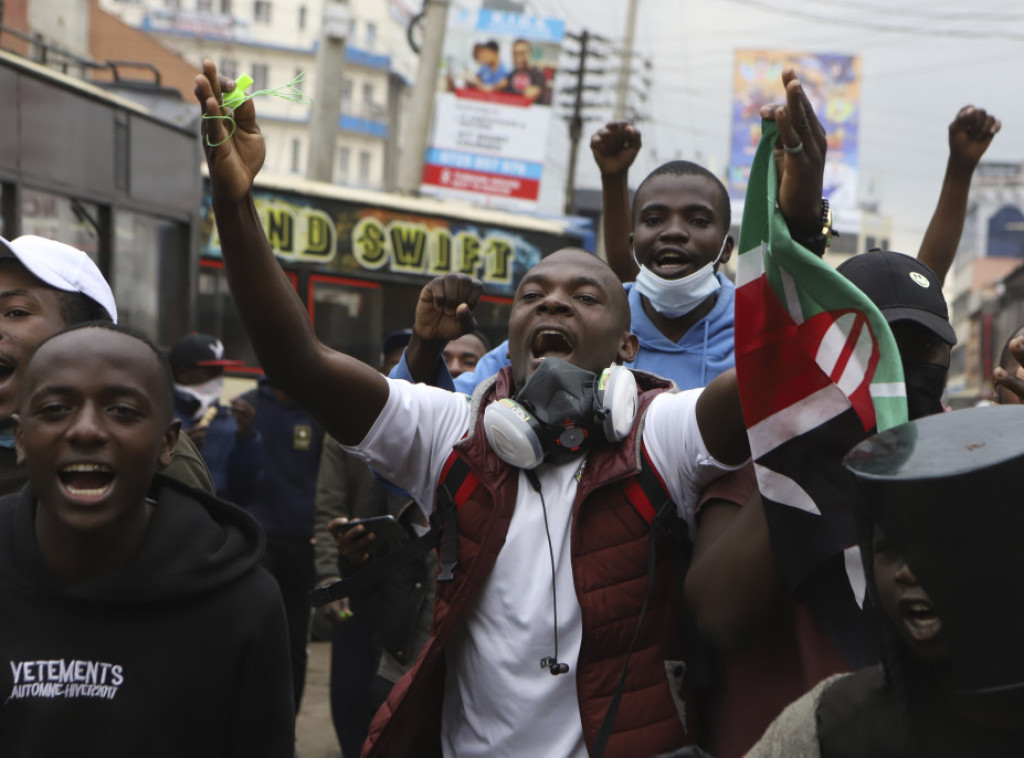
(237, 95)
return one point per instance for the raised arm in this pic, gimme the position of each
(615, 147)
(720, 418)
(1012, 382)
(801, 171)
(344, 394)
(969, 137)
(799, 159)
(444, 312)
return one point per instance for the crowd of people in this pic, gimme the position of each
(557, 547)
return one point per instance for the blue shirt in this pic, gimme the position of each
(491, 76)
(704, 352)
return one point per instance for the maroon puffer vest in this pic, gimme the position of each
(610, 548)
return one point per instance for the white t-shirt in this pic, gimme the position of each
(498, 701)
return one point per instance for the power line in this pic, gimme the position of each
(927, 13)
(806, 15)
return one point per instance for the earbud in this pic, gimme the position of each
(554, 666)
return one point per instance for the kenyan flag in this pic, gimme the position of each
(818, 371)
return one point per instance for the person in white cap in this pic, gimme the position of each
(46, 286)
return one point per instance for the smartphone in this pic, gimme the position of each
(384, 528)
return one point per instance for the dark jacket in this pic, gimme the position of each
(280, 491)
(182, 652)
(400, 605)
(610, 547)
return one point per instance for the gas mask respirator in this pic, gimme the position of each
(560, 411)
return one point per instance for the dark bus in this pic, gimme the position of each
(92, 169)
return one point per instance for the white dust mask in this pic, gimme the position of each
(677, 297)
(206, 394)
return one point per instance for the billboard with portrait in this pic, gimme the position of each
(832, 82)
(493, 107)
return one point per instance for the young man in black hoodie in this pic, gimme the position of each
(137, 620)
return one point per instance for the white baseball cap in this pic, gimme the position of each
(61, 266)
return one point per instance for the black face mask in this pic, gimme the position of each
(561, 396)
(925, 383)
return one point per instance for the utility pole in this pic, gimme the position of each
(421, 107)
(326, 109)
(577, 118)
(622, 89)
(576, 124)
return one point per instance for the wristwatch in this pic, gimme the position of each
(821, 242)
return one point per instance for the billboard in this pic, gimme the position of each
(493, 107)
(832, 83)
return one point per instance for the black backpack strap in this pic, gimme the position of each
(670, 524)
(649, 495)
(457, 483)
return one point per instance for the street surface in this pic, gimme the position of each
(315, 734)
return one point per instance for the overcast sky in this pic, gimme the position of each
(921, 61)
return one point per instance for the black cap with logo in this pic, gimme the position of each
(903, 288)
(199, 350)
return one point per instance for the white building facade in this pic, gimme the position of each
(275, 41)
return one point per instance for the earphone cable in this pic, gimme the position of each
(535, 483)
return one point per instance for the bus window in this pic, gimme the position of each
(61, 218)
(216, 315)
(347, 315)
(150, 269)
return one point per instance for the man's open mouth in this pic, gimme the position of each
(671, 261)
(86, 481)
(922, 621)
(670, 256)
(550, 342)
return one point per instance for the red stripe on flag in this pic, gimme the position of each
(769, 353)
(812, 332)
(847, 351)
